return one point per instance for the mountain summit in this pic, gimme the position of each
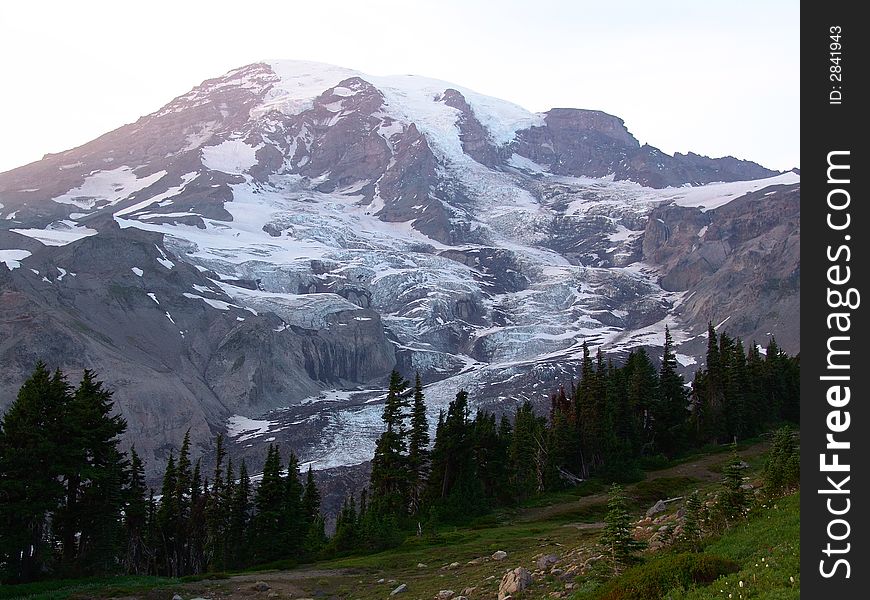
(257, 255)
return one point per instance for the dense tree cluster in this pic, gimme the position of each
(72, 504)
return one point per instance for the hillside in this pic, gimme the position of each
(765, 547)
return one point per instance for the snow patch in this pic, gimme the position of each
(233, 157)
(12, 258)
(59, 233)
(245, 428)
(107, 187)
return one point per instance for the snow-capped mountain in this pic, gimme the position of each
(257, 255)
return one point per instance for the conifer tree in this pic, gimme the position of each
(31, 437)
(88, 520)
(618, 544)
(670, 411)
(527, 452)
(269, 500)
(418, 448)
(346, 527)
(136, 517)
(196, 529)
(782, 469)
(732, 500)
(690, 537)
(215, 511)
(239, 520)
(294, 518)
(168, 521)
(389, 477)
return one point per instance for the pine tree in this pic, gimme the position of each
(346, 527)
(168, 522)
(670, 411)
(136, 517)
(215, 512)
(618, 544)
(294, 518)
(95, 481)
(418, 448)
(268, 539)
(690, 537)
(732, 500)
(239, 521)
(31, 450)
(782, 469)
(183, 485)
(389, 477)
(527, 453)
(196, 529)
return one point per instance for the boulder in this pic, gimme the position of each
(402, 588)
(547, 561)
(513, 582)
(656, 508)
(499, 555)
(445, 595)
(261, 586)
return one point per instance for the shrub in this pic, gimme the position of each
(654, 579)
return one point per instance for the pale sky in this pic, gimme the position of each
(714, 77)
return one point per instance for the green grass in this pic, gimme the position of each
(60, 589)
(766, 548)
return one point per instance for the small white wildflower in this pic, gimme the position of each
(741, 583)
(791, 579)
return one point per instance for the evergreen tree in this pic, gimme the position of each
(31, 450)
(732, 500)
(690, 537)
(670, 411)
(390, 477)
(418, 447)
(168, 522)
(267, 542)
(136, 517)
(782, 469)
(346, 527)
(527, 453)
(88, 521)
(294, 518)
(239, 521)
(216, 512)
(643, 393)
(315, 526)
(196, 529)
(183, 485)
(618, 544)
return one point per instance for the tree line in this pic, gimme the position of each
(73, 504)
(609, 424)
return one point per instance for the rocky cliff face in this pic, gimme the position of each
(256, 256)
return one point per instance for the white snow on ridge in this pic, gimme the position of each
(714, 195)
(233, 157)
(59, 233)
(245, 428)
(12, 258)
(173, 191)
(109, 187)
(409, 98)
